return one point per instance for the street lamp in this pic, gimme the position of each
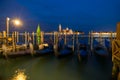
(16, 22)
(7, 26)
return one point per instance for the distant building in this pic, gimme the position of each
(60, 28)
(67, 31)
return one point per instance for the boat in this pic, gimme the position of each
(18, 50)
(40, 50)
(82, 51)
(108, 45)
(64, 51)
(100, 50)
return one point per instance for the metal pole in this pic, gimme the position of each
(7, 26)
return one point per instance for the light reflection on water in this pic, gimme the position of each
(19, 75)
(52, 68)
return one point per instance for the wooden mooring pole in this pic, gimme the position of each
(33, 37)
(56, 43)
(116, 54)
(91, 43)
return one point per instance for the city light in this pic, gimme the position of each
(8, 18)
(17, 22)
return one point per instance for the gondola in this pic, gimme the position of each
(108, 45)
(82, 52)
(41, 50)
(20, 50)
(64, 51)
(99, 50)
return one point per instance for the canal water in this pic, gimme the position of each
(52, 68)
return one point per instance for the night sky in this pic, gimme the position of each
(82, 15)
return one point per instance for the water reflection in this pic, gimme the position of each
(19, 75)
(52, 68)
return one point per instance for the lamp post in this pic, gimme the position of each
(16, 22)
(7, 26)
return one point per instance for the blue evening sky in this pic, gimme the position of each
(82, 15)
